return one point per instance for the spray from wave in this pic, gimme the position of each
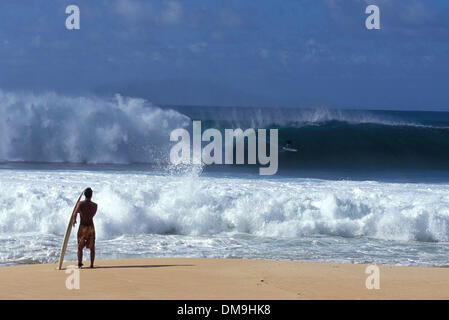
(54, 128)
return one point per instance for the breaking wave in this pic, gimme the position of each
(120, 130)
(54, 128)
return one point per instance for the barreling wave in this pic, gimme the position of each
(54, 128)
(343, 144)
(333, 138)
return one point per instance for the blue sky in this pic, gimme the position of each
(228, 52)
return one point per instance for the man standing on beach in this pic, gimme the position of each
(86, 232)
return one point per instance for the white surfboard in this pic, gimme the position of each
(289, 149)
(67, 234)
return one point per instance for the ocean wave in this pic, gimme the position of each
(121, 130)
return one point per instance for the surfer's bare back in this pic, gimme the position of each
(86, 231)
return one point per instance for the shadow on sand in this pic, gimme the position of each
(140, 266)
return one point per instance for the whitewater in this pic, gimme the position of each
(144, 214)
(54, 146)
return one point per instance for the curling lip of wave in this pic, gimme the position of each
(285, 117)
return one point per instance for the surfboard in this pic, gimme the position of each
(290, 149)
(67, 234)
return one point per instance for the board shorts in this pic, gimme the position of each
(86, 237)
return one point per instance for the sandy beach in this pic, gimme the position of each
(192, 278)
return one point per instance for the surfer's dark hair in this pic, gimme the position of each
(88, 193)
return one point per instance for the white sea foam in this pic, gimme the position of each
(33, 201)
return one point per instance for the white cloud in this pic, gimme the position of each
(230, 19)
(264, 53)
(197, 47)
(359, 59)
(133, 10)
(36, 42)
(136, 11)
(284, 56)
(313, 50)
(416, 12)
(172, 12)
(156, 56)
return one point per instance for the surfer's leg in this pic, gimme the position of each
(92, 257)
(80, 257)
(80, 252)
(91, 245)
(81, 245)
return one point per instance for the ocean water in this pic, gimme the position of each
(364, 187)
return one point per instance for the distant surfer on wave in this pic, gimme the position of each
(289, 147)
(86, 232)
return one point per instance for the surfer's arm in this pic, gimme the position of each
(74, 217)
(75, 213)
